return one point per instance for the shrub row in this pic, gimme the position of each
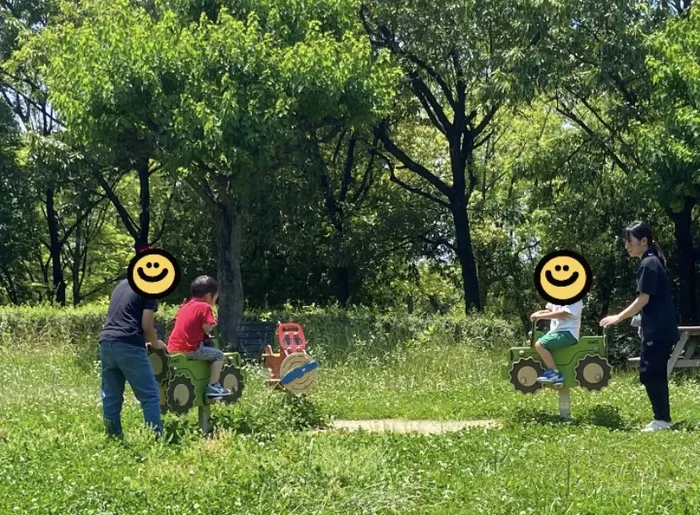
(336, 331)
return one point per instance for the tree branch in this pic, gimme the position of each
(123, 213)
(79, 220)
(429, 103)
(103, 284)
(569, 114)
(485, 120)
(164, 217)
(438, 242)
(347, 171)
(408, 187)
(383, 38)
(416, 168)
(613, 134)
(367, 178)
(338, 145)
(155, 169)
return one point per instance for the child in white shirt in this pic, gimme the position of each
(564, 332)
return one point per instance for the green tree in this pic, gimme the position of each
(17, 222)
(606, 89)
(216, 99)
(462, 63)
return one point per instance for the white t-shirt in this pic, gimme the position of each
(570, 323)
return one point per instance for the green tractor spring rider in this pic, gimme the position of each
(183, 382)
(583, 365)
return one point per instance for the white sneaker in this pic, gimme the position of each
(657, 425)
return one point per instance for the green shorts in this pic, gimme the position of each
(557, 340)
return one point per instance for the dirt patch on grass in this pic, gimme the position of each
(412, 426)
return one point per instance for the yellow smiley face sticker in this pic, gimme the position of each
(563, 277)
(153, 273)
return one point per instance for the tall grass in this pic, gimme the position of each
(269, 456)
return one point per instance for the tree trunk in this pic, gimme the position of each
(341, 280)
(144, 201)
(410, 304)
(341, 272)
(465, 254)
(59, 285)
(229, 229)
(75, 269)
(685, 254)
(7, 280)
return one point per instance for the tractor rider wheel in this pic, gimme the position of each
(231, 379)
(180, 394)
(593, 372)
(160, 363)
(524, 374)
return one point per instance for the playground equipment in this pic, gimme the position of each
(291, 369)
(183, 382)
(583, 365)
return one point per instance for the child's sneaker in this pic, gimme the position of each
(551, 376)
(216, 390)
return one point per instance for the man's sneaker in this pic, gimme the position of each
(216, 390)
(550, 376)
(657, 425)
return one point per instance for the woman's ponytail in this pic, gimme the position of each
(659, 253)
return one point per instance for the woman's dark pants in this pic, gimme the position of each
(654, 377)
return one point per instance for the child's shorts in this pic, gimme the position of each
(557, 340)
(205, 353)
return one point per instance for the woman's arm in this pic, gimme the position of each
(635, 307)
(629, 311)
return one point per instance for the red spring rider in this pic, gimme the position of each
(292, 369)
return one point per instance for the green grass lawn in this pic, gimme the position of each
(268, 457)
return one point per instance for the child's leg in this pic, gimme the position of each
(216, 367)
(549, 342)
(545, 355)
(215, 356)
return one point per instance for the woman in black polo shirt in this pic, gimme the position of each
(659, 329)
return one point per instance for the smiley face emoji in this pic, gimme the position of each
(563, 277)
(153, 274)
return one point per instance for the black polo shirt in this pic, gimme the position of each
(659, 320)
(124, 317)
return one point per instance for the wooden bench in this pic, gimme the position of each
(252, 336)
(686, 346)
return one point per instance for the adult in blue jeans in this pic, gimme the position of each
(129, 326)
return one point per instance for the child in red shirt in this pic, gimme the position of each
(194, 320)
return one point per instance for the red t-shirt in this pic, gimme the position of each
(188, 331)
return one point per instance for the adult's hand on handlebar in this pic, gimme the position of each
(610, 321)
(158, 346)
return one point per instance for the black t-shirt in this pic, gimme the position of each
(126, 309)
(659, 320)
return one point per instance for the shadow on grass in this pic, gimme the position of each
(685, 425)
(281, 415)
(603, 415)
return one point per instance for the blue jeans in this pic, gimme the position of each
(123, 362)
